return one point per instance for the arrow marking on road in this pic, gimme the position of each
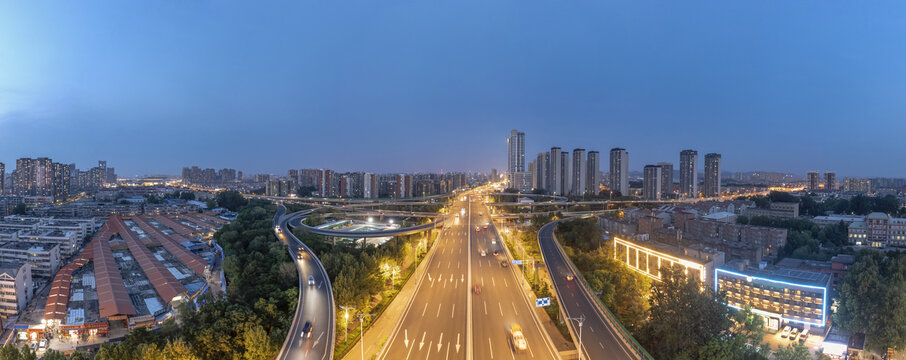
(439, 344)
(422, 343)
(457, 343)
(406, 339)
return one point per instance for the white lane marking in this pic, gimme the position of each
(591, 328)
(448, 351)
(485, 307)
(453, 311)
(448, 264)
(423, 310)
(493, 282)
(507, 283)
(600, 344)
(501, 308)
(490, 348)
(438, 310)
(429, 349)
(514, 308)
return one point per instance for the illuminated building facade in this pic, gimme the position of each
(781, 295)
(648, 257)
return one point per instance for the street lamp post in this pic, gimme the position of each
(580, 320)
(362, 331)
(346, 320)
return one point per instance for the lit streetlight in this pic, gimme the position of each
(346, 318)
(581, 321)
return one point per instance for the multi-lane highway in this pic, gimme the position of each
(316, 305)
(601, 338)
(448, 317)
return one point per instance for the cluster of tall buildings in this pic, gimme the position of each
(42, 177)
(657, 180)
(553, 172)
(209, 177)
(814, 181)
(328, 183)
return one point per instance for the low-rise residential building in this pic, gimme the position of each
(68, 241)
(781, 295)
(15, 288)
(878, 230)
(836, 219)
(776, 210)
(43, 258)
(769, 239)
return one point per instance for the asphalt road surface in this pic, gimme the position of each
(316, 300)
(447, 319)
(600, 340)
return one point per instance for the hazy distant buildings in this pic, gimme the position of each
(580, 175)
(666, 179)
(688, 173)
(566, 174)
(857, 185)
(712, 175)
(813, 181)
(619, 170)
(208, 177)
(325, 183)
(42, 177)
(370, 184)
(515, 157)
(403, 187)
(2, 177)
(555, 178)
(542, 167)
(593, 164)
(830, 181)
(651, 182)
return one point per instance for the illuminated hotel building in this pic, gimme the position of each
(781, 295)
(648, 257)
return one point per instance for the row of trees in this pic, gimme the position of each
(805, 239)
(857, 205)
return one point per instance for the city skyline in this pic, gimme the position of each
(301, 71)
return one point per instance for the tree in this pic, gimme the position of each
(231, 200)
(794, 351)
(20, 209)
(187, 195)
(258, 346)
(872, 299)
(679, 302)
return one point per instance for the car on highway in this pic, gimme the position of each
(785, 332)
(306, 330)
(496, 252)
(504, 263)
(569, 276)
(477, 229)
(477, 289)
(519, 342)
(311, 280)
(484, 253)
(300, 255)
(42, 344)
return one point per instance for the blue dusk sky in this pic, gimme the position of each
(387, 86)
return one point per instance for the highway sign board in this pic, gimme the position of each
(517, 262)
(541, 302)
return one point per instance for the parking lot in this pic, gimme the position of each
(813, 342)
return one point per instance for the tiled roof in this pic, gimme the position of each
(163, 281)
